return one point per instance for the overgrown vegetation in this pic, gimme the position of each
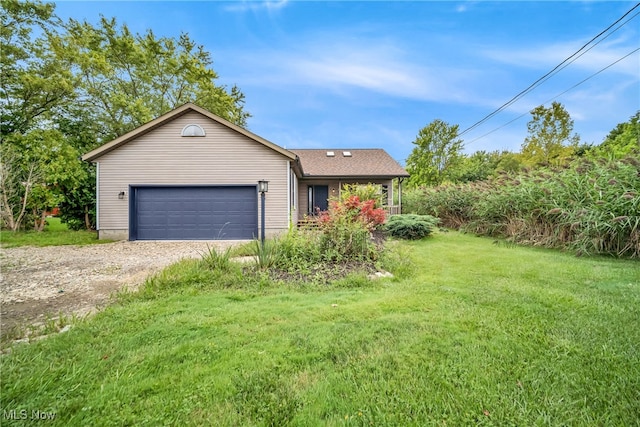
(592, 207)
(338, 244)
(473, 334)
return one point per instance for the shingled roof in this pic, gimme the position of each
(348, 163)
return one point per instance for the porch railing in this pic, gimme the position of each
(392, 210)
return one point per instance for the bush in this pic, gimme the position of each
(346, 229)
(410, 226)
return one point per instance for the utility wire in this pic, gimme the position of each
(557, 96)
(547, 75)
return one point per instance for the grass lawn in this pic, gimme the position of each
(54, 234)
(474, 334)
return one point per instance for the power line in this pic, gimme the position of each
(549, 74)
(557, 96)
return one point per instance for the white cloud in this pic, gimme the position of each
(342, 64)
(255, 5)
(595, 59)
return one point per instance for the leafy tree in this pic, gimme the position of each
(508, 162)
(36, 167)
(437, 154)
(622, 141)
(33, 81)
(36, 159)
(550, 140)
(129, 79)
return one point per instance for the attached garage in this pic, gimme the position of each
(190, 175)
(193, 212)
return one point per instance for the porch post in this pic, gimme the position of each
(400, 195)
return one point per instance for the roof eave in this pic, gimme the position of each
(355, 176)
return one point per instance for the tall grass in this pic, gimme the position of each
(589, 208)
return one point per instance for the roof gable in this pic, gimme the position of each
(171, 115)
(346, 163)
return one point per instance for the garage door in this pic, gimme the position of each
(194, 213)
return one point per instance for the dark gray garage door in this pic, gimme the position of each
(194, 213)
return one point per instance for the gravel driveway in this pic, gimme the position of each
(41, 282)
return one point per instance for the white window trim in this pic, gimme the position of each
(192, 136)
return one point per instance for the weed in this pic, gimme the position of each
(267, 253)
(213, 259)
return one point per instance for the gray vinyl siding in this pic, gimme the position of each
(162, 156)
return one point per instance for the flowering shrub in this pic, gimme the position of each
(354, 210)
(346, 228)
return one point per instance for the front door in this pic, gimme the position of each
(318, 198)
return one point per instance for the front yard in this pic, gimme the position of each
(468, 333)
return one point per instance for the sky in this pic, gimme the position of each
(352, 74)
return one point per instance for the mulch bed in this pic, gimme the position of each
(324, 274)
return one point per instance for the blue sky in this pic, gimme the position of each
(346, 74)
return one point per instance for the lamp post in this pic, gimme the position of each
(263, 187)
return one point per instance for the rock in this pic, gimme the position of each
(380, 274)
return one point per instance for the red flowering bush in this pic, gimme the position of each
(346, 228)
(353, 210)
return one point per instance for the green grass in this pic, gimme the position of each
(54, 234)
(472, 334)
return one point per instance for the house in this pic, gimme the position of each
(325, 172)
(191, 175)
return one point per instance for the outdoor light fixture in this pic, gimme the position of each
(263, 187)
(121, 195)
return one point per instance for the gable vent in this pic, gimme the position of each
(193, 130)
(346, 153)
(330, 154)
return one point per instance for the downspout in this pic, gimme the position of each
(98, 198)
(289, 216)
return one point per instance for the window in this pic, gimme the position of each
(193, 130)
(346, 153)
(330, 154)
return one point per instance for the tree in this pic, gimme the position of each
(622, 141)
(36, 167)
(129, 79)
(436, 155)
(35, 157)
(550, 140)
(33, 81)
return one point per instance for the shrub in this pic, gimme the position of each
(346, 229)
(410, 226)
(352, 210)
